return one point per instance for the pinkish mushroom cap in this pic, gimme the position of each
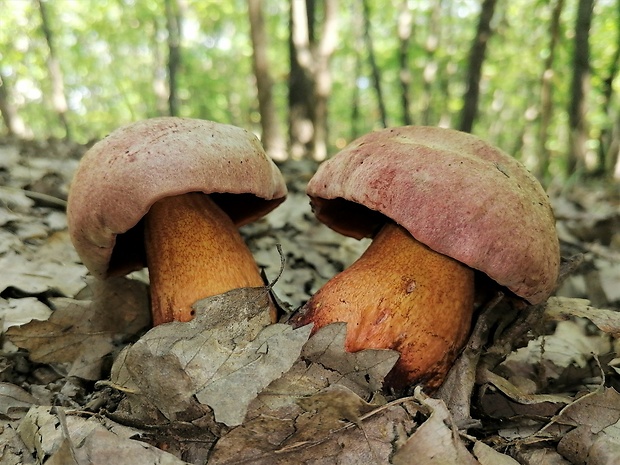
(453, 192)
(123, 175)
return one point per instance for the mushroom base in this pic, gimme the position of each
(400, 295)
(193, 251)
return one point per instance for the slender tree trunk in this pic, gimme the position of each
(546, 91)
(160, 72)
(14, 123)
(431, 66)
(606, 157)
(301, 85)
(272, 137)
(325, 50)
(173, 24)
(404, 74)
(59, 101)
(310, 71)
(374, 68)
(357, 26)
(578, 132)
(476, 59)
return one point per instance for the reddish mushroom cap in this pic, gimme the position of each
(121, 176)
(453, 192)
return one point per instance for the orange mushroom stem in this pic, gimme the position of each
(400, 295)
(193, 251)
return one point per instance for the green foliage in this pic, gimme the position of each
(113, 56)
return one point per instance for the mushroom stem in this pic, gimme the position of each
(400, 295)
(193, 251)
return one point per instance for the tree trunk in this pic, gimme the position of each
(404, 72)
(310, 77)
(14, 123)
(357, 24)
(376, 72)
(300, 85)
(546, 92)
(173, 24)
(59, 101)
(476, 59)
(272, 138)
(606, 154)
(431, 66)
(578, 132)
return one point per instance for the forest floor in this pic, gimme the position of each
(83, 378)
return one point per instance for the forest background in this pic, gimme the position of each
(534, 77)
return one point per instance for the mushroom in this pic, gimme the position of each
(445, 209)
(169, 193)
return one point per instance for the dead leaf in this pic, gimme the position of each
(488, 456)
(81, 332)
(559, 308)
(266, 440)
(54, 265)
(223, 358)
(365, 369)
(14, 401)
(436, 442)
(597, 433)
(89, 441)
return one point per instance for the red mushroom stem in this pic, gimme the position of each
(193, 251)
(404, 296)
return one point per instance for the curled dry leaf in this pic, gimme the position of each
(82, 332)
(317, 406)
(14, 400)
(223, 358)
(436, 441)
(60, 439)
(596, 418)
(559, 308)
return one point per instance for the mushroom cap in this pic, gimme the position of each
(453, 192)
(122, 175)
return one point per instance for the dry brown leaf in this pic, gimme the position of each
(60, 439)
(488, 456)
(559, 308)
(82, 332)
(363, 370)
(52, 266)
(569, 351)
(223, 358)
(436, 442)
(309, 438)
(14, 401)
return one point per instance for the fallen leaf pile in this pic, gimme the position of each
(85, 379)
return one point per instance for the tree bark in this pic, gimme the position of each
(13, 122)
(300, 84)
(546, 91)
(476, 59)
(173, 24)
(374, 68)
(404, 72)
(606, 153)
(272, 138)
(578, 132)
(310, 77)
(59, 101)
(431, 66)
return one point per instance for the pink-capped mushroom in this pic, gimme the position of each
(170, 193)
(442, 207)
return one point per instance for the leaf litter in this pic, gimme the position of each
(231, 388)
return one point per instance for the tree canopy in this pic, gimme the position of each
(545, 90)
